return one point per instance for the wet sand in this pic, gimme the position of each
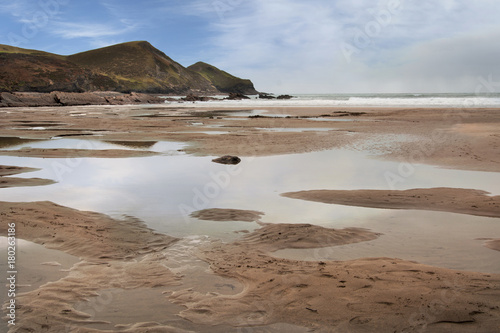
(455, 138)
(363, 295)
(76, 153)
(120, 254)
(454, 200)
(493, 244)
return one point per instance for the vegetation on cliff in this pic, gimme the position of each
(133, 66)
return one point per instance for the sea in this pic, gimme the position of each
(455, 100)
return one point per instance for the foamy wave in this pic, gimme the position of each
(335, 100)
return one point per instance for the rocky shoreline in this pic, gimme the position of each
(57, 98)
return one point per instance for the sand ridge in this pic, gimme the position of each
(493, 244)
(88, 235)
(273, 237)
(77, 153)
(7, 181)
(226, 214)
(455, 200)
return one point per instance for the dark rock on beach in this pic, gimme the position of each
(227, 159)
(266, 96)
(285, 97)
(236, 96)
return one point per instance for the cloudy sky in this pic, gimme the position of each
(285, 46)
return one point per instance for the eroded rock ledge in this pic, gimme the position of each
(56, 98)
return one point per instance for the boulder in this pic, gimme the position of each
(285, 97)
(227, 159)
(236, 96)
(266, 96)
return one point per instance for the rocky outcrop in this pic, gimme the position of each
(27, 99)
(227, 159)
(57, 98)
(236, 96)
(284, 97)
(266, 96)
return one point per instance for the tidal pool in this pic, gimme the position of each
(164, 190)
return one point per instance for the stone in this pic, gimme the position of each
(285, 97)
(266, 96)
(236, 96)
(227, 159)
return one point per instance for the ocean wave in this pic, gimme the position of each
(407, 100)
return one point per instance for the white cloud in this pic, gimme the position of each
(70, 30)
(286, 45)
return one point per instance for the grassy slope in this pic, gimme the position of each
(222, 80)
(13, 49)
(139, 66)
(32, 70)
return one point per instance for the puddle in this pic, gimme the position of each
(163, 190)
(66, 143)
(434, 238)
(297, 129)
(209, 132)
(332, 119)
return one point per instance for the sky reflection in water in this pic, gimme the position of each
(163, 190)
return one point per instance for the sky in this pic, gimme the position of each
(286, 46)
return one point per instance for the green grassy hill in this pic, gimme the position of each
(37, 71)
(133, 66)
(223, 81)
(13, 49)
(138, 66)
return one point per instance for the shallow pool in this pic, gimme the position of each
(163, 190)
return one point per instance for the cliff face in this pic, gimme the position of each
(134, 66)
(224, 81)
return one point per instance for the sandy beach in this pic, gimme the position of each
(364, 295)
